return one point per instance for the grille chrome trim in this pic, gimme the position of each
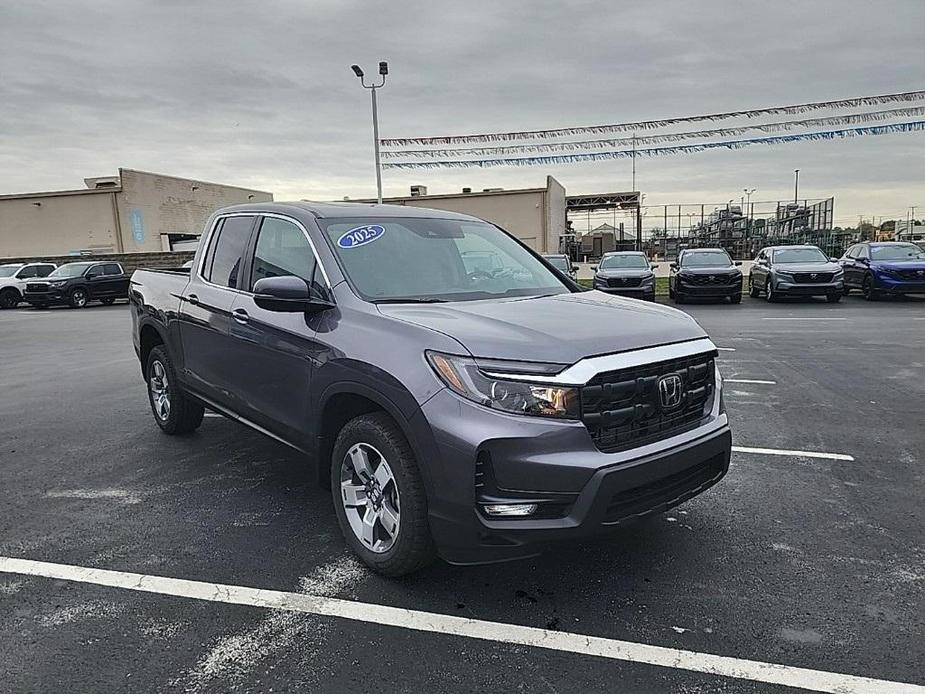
(585, 369)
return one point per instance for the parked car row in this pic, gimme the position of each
(876, 269)
(72, 284)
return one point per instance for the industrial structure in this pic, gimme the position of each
(133, 212)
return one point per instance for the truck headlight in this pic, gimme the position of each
(462, 376)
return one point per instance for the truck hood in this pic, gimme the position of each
(912, 264)
(555, 329)
(720, 270)
(9, 282)
(628, 272)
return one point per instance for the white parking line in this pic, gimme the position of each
(725, 349)
(799, 454)
(613, 649)
(804, 318)
(749, 380)
(213, 414)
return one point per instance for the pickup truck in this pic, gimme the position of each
(77, 284)
(13, 277)
(479, 413)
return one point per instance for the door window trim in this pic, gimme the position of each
(258, 219)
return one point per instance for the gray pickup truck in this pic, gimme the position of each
(478, 412)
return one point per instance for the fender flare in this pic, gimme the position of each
(413, 426)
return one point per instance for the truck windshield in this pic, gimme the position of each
(422, 259)
(8, 270)
(633, 262)
(800, 255)
(706, 259)
(71, 270)
(901, 251)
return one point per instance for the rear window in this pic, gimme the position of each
(226, 253)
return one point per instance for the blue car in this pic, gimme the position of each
(885, 268)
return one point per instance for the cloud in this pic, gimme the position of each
(261, 94)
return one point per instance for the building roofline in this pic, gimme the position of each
(60, 193)
(194, 180)
(473, 194)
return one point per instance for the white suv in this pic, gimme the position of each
(13, 279)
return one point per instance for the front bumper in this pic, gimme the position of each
(553, 461)
(710, 290)
(52, 296)
(802, 289)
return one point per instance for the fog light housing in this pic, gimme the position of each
(510, 509)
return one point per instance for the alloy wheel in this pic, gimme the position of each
(160, 390)
(79, 298)
(370, 497)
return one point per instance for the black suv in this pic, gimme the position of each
(77, 284)
(625, 272)
(706, 273)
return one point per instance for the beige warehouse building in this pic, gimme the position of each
(534, 215)
(133, 212)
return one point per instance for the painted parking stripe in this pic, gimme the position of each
(725, 349)
(749, 380)
(803, 318)
(798, 454)
(613, 649)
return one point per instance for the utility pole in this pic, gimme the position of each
(796, 186)
(383, 71)
(634, 162)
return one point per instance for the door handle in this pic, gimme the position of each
(193, 300)
(240, 316)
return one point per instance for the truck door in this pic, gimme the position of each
(277, 348)
(205, 310)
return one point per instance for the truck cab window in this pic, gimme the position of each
(227, 251)
(282, 249)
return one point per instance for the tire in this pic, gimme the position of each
(78, 298)
(177, 414)
(736, 298)
(374, 443)
(769, 294)
(867, 289)
(753, 291)
(9, 298)
(108, 301)
(833, 298)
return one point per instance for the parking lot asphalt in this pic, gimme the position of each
(815, 563)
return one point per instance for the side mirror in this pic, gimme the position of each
(93, 275)
(653, 266)
(833, 260)
(594, 267)
(737, 263)
(288, 294)
(673, 266)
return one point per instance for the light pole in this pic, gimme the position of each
(796, 186)
(383, 71)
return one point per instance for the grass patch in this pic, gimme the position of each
(661, 285)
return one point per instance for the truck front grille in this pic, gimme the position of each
(812, 277)
(708, 280)
(37, 286)
(617, 282)
(624, 409)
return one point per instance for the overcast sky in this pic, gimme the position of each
(261, 95)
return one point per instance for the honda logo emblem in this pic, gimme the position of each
(670, 391)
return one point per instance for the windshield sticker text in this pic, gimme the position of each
(360, 236)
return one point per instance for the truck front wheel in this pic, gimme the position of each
(174, 412)
(379, 497)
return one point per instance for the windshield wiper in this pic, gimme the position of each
(410, 300)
